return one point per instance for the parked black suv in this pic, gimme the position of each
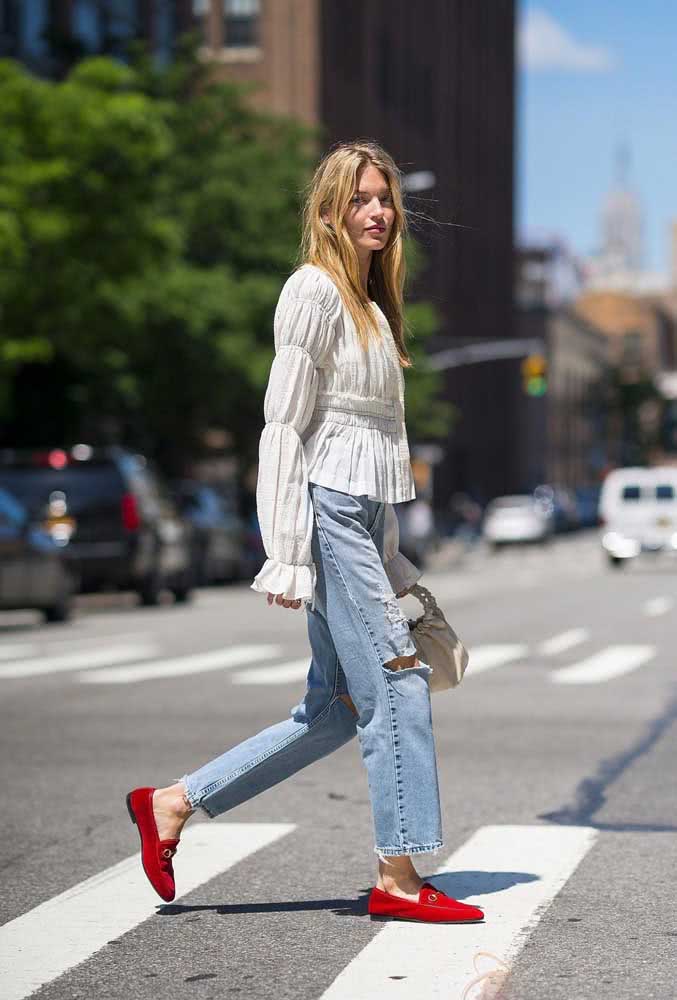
(111, 513)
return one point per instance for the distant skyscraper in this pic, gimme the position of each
(622, 221)
(618, 263)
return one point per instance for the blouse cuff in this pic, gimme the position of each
(401, 572)
(293, 582)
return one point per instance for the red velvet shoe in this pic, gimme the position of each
(156, 854)
(433, 906)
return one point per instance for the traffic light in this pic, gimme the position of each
(534, 375)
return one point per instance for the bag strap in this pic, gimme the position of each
(422, 594)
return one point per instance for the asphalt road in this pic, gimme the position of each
(557, 761)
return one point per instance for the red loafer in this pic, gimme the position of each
(156, 854)
(433, 906)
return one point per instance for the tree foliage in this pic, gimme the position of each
(148, 217)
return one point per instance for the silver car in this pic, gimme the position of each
(520, 517)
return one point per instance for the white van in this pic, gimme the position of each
(638, 512)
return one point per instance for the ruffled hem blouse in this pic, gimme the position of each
(334, 416)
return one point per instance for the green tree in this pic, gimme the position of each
(148, 216)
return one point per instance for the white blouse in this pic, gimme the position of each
(334, 416)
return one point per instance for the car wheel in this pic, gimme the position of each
(150, 590)
(62, 611)
(616, 561)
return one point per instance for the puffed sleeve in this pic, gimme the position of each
(304, 327)
(400, 571)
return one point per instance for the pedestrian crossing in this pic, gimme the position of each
(614, 661)
(512, 872)
(109, 663)
(64, 931)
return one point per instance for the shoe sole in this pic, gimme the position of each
(133, 819)
(384, 918)
(130, 810)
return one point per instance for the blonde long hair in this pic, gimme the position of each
(328, 245)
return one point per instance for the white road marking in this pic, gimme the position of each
(565, 640)
(657, 606)
(605, 665)
(179, 666)
(278, 673)
(66, 930)
(513, 872)
(481, 658)
(17, 650)
(86, 660)
(486, 657)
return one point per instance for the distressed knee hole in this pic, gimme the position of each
(402, 662)
(349, 702)
(408, 665)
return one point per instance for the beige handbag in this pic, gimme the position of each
(436, 643)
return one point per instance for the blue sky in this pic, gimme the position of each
(593, 74)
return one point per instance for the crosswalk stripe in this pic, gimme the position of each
(278, 673)
(17, 650)
(657, 606)
(605, 665)
(513, 872)
(86, 660)
(490, 655)
(565, 640)
(66, 930)
(179, 666)
(60, 644)
(480, 658)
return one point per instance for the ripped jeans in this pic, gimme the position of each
(355, 629)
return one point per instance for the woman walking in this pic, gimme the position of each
(333, 459)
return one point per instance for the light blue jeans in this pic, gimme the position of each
(355, 629)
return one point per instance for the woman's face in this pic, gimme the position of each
(371, 206)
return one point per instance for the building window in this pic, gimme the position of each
(9, 27)
(23, 28)
(632, 347)
(165, 31)
(241, 23)
(105, 27)
(87, 26)
(201, 9)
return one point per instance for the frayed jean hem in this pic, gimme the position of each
(191, 800)
(385, 852)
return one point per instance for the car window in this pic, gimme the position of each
(10, 508)
(665, 491)
(93, 482)
(631, 491)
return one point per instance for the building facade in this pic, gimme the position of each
(563, 431)
(437, 92)
(49, 36)
(434, 84)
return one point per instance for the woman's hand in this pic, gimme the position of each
(284, 601)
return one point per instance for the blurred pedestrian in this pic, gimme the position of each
(419, 529)
(333, 459)
(466, 518)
